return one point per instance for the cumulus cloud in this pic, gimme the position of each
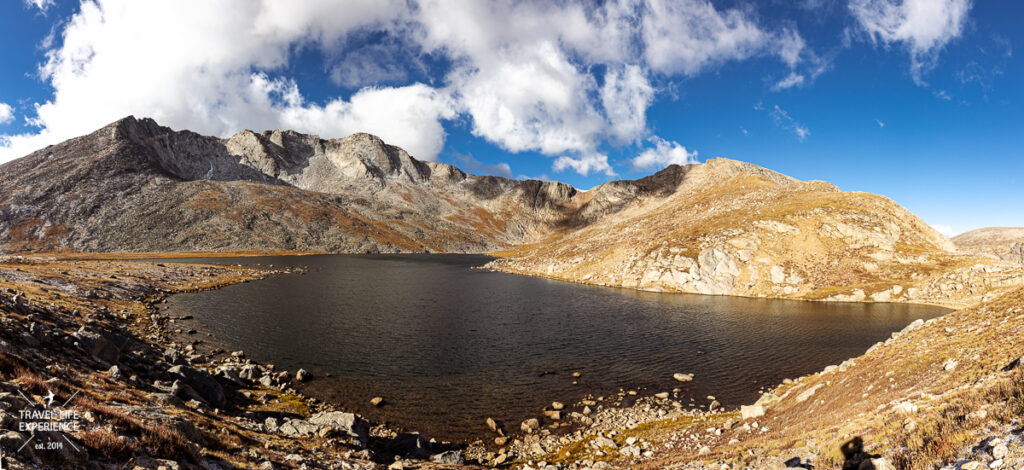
(6, 113)
(625, 96)
(924, 27)
(689, 35)
(663, 154)
(585, 164)
(530, 98)
(563, 79)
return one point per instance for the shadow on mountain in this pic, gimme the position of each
(856, 458)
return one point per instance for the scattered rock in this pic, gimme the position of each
(530, 425)
(683, 377)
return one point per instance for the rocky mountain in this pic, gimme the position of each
(721, 227)
(136, 186)
(1005, 243)
(738, 229)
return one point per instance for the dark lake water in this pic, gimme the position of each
(448, 345)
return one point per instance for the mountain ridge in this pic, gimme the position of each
(393, 201)
(720, 227)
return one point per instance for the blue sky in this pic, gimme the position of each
(917, 100)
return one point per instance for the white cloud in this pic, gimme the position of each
(782, 119)
(923, 26)
(6, 113)
(625, 96)
(663, 154)
(42, 5)
(944, 229)
(408, 116)
(879, 122)
(790, 47)
(689, 35)
(791, 80)
(522, 75)
(585, 164)
(530, 97)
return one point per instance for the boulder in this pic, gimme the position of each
(409, 445)
(451, 457)
(347, 424)
(205, 385)
(249, 373)
(683, 377)
(751, 411)
(298, 428)
(97, 345)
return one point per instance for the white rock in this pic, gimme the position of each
(802, 397)
(751, 411)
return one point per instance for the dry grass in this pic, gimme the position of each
(168, 443)
(944, 433)
(863, 399)
(109, 445)
(162, 441)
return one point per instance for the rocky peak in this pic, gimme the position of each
(722, 169)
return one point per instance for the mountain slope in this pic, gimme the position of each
(737, 229)
(1005, 243)
(137, 186)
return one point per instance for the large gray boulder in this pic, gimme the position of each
(347, 424)
(298, 428)
(98, 345)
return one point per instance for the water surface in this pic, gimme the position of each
(448, 345)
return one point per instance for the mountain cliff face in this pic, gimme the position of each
(1005, 243)
(137, 186)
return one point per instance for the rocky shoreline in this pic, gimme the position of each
(94, 338)
(107, 328)
(151, 393)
